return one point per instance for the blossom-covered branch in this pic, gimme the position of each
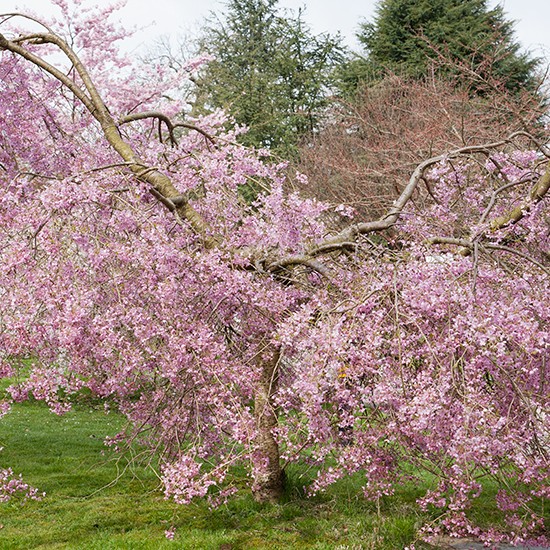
(93, 102)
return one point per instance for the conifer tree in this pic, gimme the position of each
(407, 36)
(268, 71)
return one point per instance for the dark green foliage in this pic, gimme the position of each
(410, 37)
(270, 72)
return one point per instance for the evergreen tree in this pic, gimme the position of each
(406, 37)
(269, 72)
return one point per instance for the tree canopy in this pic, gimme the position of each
(258, 334)
(268, 71)
(408, 36)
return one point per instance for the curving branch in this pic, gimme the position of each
(465, 243)
(208, 136)
(392, 216)
(290, 261)
(162, 118)
(538, 192)
(509, 250)
(16, 48)
(493, 199)
(92, 101)
(349, 235)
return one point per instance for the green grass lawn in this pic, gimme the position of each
(65, 457)
(95, 500)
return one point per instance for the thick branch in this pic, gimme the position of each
(350, 234)
(450, 240)
(161, 183)
(13, 47)
(169, 124)
(290, 261)
(161, 117)
(348, 237)
(537, 194)
(493, 199)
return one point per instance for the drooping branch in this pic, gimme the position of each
(290, 261)
(92, 101)
(348, 237)
(538, 192)
(509, 250)
(196, 129)
(465, 243)
(162, 118)
(15, 48)
(467, 247)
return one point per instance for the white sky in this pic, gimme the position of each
(172, 17)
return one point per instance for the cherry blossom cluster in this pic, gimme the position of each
(12, 486)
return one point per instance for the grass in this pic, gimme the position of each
(66, 457)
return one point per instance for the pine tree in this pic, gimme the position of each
(269, 72)
(407, 36)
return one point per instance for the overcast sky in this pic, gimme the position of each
(172, 17)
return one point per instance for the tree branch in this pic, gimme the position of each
(450, 240)
(8, 45)
(152, 114)
(289, 261)
(538, 192)
(93, 102)
(517, 253)
(347, 238)
(169, 124)
(494, 197)
(342, 239)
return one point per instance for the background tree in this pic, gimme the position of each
(268, 71)
(406, 36)
(378, 136)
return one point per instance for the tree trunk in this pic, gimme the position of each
(268, 474)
